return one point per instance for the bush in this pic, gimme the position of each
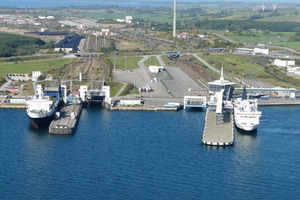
(41, 77)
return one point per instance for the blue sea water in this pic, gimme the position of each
(121, 3)
(67, 3)
(149, 155)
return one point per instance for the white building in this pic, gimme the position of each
(128, 19)
(293, 70)
(283, 63)
(130, 102)
(183, 35)
(50, 17)
(44, 30)
(35, 75)
(244, 50)
(105, 30)
(263, 51)
(155, 69)
(121, 20)
(104, 33)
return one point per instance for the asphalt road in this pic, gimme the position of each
(173, 82)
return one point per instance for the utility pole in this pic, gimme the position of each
(115, 67)
(125, 61)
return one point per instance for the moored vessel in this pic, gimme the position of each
(246, 114)
(41, 108)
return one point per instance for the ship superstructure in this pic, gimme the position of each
(41, 108)
(246, 114)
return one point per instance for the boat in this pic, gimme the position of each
(41, 108)
(246, 114)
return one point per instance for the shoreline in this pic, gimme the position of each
(7, 106)
(261, 103)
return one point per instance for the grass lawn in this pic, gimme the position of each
(283, 18)
(153, 17)
(126, 62)
(29, 66)
(151, 61)
(295, 45)
(244, 67)
(238, 66)
(114, 87)
(274, 37)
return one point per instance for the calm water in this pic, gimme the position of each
(121, 3)
(149, 155)
(66, 3)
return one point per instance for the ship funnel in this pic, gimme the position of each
(244, 94)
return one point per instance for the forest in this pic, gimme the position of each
(236, 25)
(17, 45)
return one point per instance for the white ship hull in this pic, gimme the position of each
(246, 115)
(41, 111)
(38, 115)
(246, 126)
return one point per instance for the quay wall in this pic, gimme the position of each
(8, 106)
(144, 108)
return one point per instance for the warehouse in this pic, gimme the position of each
(68, 44)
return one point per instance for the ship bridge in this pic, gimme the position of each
(218, 127)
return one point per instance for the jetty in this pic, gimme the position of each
(218, 130)
(67, 120)
(279, 102)
(218, 126)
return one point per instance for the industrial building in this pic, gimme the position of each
(283, 63)
(68, 44)
(255, 51)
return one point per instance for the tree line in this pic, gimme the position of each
(235, 25)
(17, 45)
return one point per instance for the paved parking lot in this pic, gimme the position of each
(256, 84)
(171, 82)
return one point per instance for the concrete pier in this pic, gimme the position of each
(278, 102)
(66, 123)
(218, 130)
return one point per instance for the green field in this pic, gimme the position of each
(29, 66)
(114, 87)
(125, 62)
(295, 45)
(153, 17)
(238, 66)
(244, 67)
(283, 15)
(151, 61)
(274, 38)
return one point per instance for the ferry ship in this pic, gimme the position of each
(246, 115)
(41, 109)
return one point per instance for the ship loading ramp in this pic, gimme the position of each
(194, 102)
(218, 127)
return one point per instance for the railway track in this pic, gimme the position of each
(93, 70)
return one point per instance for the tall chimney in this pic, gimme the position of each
(174, 19)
